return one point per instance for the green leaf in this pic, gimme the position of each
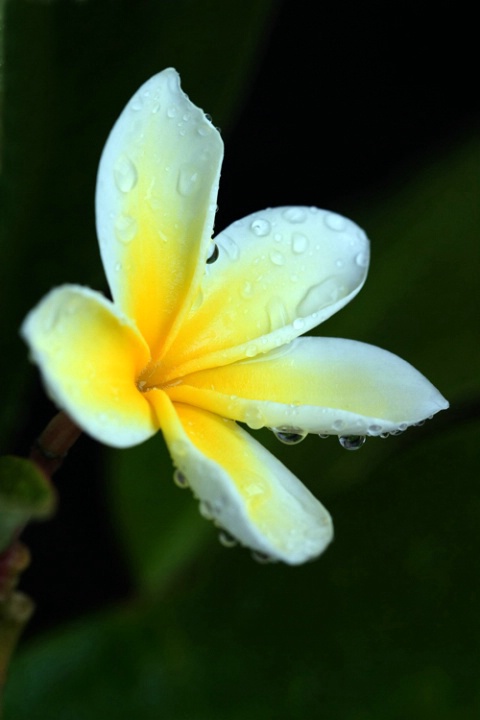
(25, 494)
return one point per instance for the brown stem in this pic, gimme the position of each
(52, 446)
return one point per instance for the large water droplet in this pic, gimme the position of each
(335, 222)
(319, 296)
(126, 227)
(289, 436)
(226, 539)
(260, 227)
(299, 243)
(187, 182)
(295, 215)
(125, 174)
(180, 480)
(213, 255)
(352, 442)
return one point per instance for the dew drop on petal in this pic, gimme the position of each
(335, 222)
(262, 558)
(213, 255)
(260, 227)
(247, 290)
(319, 296)
(352, 442)
(295, 215)
(206, 510)
(125, 174)
(277, 258)
(374, 429)
(298, 324)
(289, 436)
(180, 480)
(187, 182)
(299, 243)
(126, 227)
(171, 111)
(226, 539)
(231, 248)
(362, 260)
(253, 418)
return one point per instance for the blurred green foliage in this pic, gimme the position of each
(385, 626)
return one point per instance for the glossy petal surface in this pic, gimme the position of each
(155, 204)
(322, 385)
(279, 273)
(244, 488)
(90, 356)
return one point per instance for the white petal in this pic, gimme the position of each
(244, 488)
(155, 204)
(321, 385)
(90, 356)
(279, 273)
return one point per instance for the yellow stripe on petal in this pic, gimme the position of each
(279, 273)
(321, 385)
(90, 357)
(244, 488)
(155, 204)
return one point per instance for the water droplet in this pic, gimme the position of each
(262, 558)
(289, 436)
(362, 259)
(171, 111)
(299, 243)
(260, 227)
(298, 324)
(206, 510)
(203, 130)
(230, 246)
(251, 350)
(226, 539)
(339, 263)
(179, 447)
(137, 102)
(247, 290)
(335, 222)
(253, 418)
(323, 436)
(277, 258)
(374, 429)
(337, 425)
(319, 296)
(295, 215)
(352, 442)
(213, 255)
(277, 313)
(125, 174)
(187, 182)
(277, 237)
(180, 480)
(126, 227)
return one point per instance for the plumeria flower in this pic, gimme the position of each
(203, 334)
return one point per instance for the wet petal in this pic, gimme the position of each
(155, 203)
(321, 385)
(244, 488)
(90, 356)
(279, 273)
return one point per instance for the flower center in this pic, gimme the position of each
(151, 378)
